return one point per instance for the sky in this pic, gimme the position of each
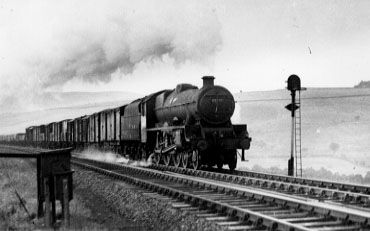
(145, 46)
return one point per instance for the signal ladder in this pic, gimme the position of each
(297, 137)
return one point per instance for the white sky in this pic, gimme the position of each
(261, 43)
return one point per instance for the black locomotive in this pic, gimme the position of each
(192, 126)
(186, 127)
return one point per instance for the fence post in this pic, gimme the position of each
(53, 201)
(40, 189)
(47, 202)
(66, 202)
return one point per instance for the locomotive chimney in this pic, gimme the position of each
(208, 81)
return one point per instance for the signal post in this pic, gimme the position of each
(294, 85)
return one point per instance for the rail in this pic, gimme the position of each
(294, 186)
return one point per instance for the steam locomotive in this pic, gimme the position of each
(185, 127)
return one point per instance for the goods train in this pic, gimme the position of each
(184, 127)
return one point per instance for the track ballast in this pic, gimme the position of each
(246, 208)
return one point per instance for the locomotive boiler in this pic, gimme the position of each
(210, 104)
(194, 127)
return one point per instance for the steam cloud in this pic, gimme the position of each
(236, 118)
(106, 156)
(50, 43)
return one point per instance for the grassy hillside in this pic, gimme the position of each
(335, 123)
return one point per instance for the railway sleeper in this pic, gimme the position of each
(296, 215)
(208, 214)
(246, 203)
(196, 211)
(242, 227)
(263, 209)
(325, 223)
(199, 192)
(235, 201)
(231, 222)
(339, 228)
(220, 198)
(253, 207)
(277, 212)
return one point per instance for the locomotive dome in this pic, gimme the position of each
(215, 103)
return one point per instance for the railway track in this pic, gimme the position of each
(236, 207)
(355, 194)
(307, 181)
(351, 195)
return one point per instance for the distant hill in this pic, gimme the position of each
(69, 99)
(56, 106)
(363, 84)
(17, 122)
(47, 100)
(335, 122)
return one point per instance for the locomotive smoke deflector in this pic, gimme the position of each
(208, 81)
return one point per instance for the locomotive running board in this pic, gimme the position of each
(169, 128)
(165, 150)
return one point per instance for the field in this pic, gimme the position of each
(335, 128)
(22, 183)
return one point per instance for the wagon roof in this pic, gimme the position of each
(63, 120)
(148, 97)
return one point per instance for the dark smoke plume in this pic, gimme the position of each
(50, 43)
(124, 40)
